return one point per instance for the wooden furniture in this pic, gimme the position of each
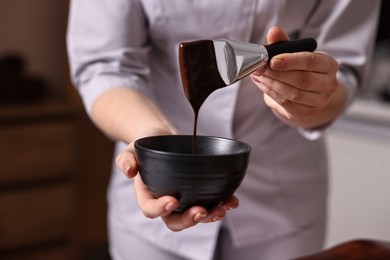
(39, 167)
(354, 250)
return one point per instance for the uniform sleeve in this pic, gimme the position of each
(107, 46)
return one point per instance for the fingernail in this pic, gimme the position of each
(215, 219)
(232, 207)
(199, 216)
(170, 206)
(126, 167)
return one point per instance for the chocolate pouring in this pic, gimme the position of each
(205, 170)
(207, 65)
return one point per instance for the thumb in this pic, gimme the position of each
(127, 163)
(276, 34)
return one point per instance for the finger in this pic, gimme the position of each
(218, 213)
(271, 103)
(289, 109)
(304, 80)
(232, 203)
(189, 218)
(127, 163)
(283, 93)
(150, 206)
(305, 61)
(275, 34)
(196, 214)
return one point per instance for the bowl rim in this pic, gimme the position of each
(138, 146)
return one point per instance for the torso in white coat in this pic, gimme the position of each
(285, 188)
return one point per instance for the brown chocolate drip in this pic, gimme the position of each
(194, 132)
(199, 74)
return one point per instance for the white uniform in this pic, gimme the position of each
(134, 43)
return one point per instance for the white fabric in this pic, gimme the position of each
(134, 43)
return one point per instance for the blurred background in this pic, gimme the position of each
(55, 164)
(359, 152)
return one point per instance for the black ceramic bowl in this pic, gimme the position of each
(206, 177)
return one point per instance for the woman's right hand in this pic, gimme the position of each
(127, 115)
(164, 206)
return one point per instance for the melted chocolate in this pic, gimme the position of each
(199, 74)
(199, 70)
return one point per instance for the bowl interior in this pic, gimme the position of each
(183, 144)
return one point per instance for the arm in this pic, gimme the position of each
(109, 68)
(126, 114)
(311, 90)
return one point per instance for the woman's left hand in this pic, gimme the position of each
(164, 206)
(300, 86)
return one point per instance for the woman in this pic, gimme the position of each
(124, 62)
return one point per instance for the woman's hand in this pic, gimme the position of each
(127, 115)
(301, 88)
(164, 206)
